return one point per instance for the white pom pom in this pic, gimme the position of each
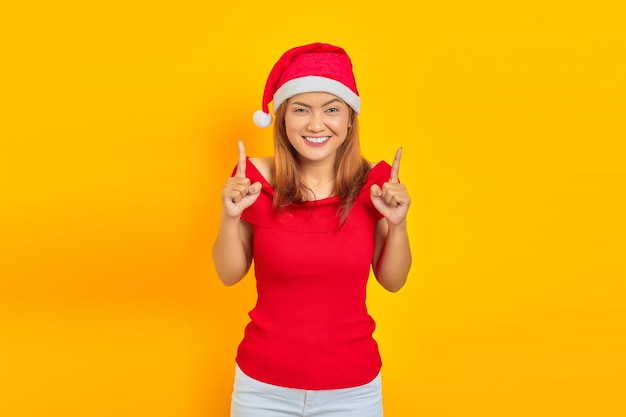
(262, 119)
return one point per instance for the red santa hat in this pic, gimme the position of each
(317, 67)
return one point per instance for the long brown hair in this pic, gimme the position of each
(351, 168)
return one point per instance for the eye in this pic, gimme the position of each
(299, 110)
(332, 110)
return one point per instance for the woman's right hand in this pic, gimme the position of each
(238, 194)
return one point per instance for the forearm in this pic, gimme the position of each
(232, 255)
(395, 259)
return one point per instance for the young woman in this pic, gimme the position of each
(315, 218)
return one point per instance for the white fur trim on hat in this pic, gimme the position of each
(313, 83)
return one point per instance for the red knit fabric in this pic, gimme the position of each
(310, 328)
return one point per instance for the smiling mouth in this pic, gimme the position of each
(320, 139)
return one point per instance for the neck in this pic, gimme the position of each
(320, 179)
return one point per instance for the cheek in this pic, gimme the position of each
(292, 123)
(292, 128)
(339, 125)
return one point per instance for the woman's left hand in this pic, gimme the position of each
(393, 200)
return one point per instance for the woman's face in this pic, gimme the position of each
(317, 125)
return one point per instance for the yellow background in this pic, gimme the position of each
(118, 128)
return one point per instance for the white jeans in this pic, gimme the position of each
(252, 398)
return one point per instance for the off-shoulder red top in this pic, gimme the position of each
(310, 328)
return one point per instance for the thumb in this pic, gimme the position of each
(252, 195)
(255, 188)
(375, 191)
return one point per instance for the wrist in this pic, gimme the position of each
(230, 220)
(397, 227)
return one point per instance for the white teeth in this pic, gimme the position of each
(317, 140)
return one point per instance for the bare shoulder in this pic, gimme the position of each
(264, 165)
(382, 162)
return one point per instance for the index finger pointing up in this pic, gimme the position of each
(395, 168)
(241, 164)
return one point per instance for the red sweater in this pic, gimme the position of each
(310, 328)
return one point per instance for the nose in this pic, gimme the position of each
(316, 123)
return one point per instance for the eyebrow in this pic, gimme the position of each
(299, 103)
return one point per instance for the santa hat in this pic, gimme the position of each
(317, 67)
